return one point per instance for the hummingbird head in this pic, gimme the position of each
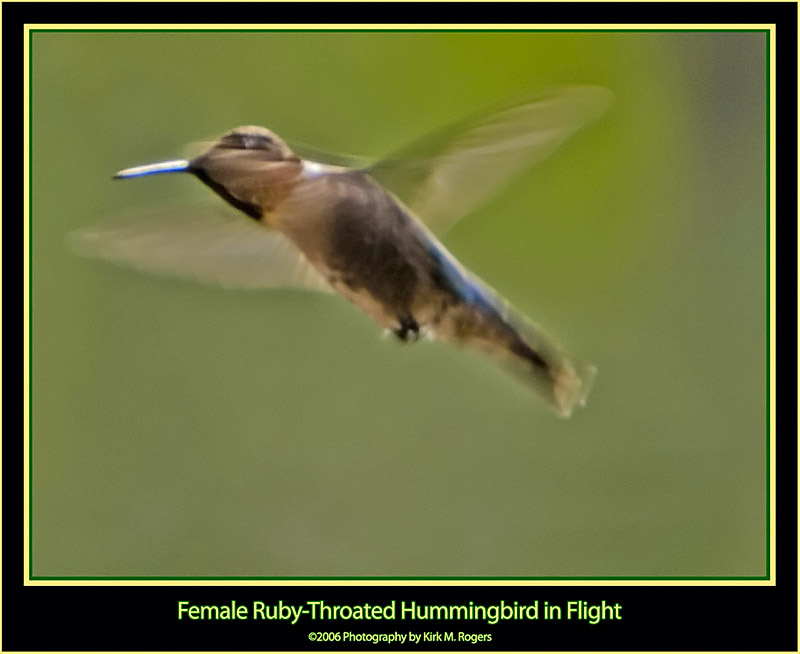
(249, 142)
(232, 166)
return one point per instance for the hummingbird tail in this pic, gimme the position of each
(572, 382)
(557, 377)
(491, 324)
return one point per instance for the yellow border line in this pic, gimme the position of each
(772, 319)
(418, 28)
(411, 27)
(27, 308)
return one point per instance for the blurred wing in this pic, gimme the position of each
(205, 245)
(447, 175)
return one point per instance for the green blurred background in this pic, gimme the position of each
(181, 429)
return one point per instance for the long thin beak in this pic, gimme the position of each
(176, 166)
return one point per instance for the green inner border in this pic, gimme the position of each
(32, 577)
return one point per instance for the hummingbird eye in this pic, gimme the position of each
(245, 141)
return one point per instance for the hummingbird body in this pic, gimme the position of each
(375, 253)
(342, 226)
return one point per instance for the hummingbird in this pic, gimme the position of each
(366, 230)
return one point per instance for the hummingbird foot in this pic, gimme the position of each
(408, 331)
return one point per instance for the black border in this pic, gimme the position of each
(654, 618)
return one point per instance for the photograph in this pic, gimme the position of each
(399, 304)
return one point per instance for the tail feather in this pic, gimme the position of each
(492, 325)
(561, 379)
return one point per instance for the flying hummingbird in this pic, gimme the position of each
(358, 230)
